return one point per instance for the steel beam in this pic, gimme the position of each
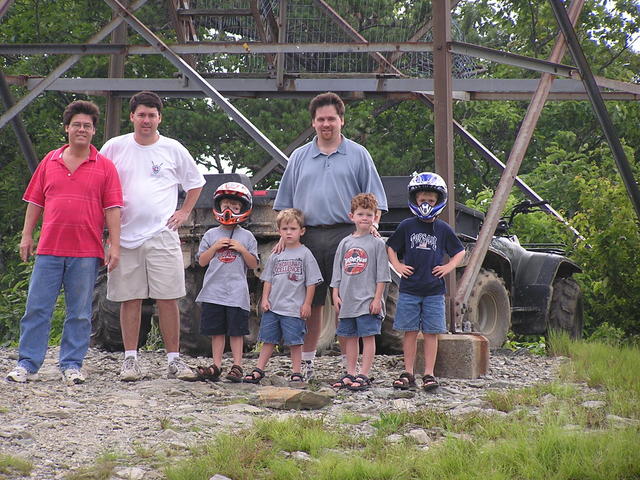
(509, 174)
(196, 78)
(513, 59)
(266, 170)
(63, 67)
(443, 123)
(113, 110)
(367, 84)
(598, 104)
(18, 127)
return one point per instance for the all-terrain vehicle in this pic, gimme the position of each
(529, 289)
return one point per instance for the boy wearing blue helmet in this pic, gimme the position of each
(416, 251)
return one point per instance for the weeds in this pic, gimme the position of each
(547, 432)
(13, 465)
(101, 470)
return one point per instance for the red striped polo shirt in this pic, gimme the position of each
(74, 203)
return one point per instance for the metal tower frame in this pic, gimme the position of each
(387, 80)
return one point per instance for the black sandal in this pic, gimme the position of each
(363, 382)
(251, 378)
(235, 374)
(429, 383)
(296, 377)
(405, 381)
(342, 383)
(209, 374)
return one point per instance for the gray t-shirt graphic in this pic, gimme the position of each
(360, 263)
(225, 281)
(290, 272)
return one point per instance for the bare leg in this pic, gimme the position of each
(236, 342)
(169, 316)
(409, 350)
(430, 346)
(130, 315)
(296, 357)
(368, 352)
(217, 349)
(314, 325)
(351, 350)
(265, 354)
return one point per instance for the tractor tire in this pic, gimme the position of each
(105, 319)
(192, 341)
(566, 310)
(489, 308)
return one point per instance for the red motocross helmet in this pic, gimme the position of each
(235, 191)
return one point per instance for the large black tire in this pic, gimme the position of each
(566, 311)
(191, 341)
(105, 319)
(489, 308)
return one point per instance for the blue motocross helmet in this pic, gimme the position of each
(427, 182)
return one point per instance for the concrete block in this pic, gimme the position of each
(459, 356)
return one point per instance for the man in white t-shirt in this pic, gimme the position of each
(151, 167)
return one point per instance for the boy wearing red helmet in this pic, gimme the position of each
(227, 251)
(422, 243)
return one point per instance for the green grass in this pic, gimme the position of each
(352, 419)
(100, 470)
(546, 434)
(601, 365)
(10, 465)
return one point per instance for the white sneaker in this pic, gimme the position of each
(21, 375)
(180, 370)
(73, 376)
(307, 369)
(130, 371)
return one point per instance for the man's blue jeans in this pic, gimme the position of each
(50, 274)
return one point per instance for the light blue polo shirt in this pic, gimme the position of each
(322, 186)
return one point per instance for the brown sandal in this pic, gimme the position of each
(405, 381)
(429, 383)
(235, 374)
(209, 374)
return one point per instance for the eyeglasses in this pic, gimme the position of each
(78, 125)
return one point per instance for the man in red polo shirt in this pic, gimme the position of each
(75, 190)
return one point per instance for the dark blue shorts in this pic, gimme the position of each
(222, 320)
(274, 327)
(362, 326)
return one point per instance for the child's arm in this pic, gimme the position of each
(266, 290)
(376, 304)
(207, 255)
(249, 258)
(442, 270)
(305, 310)
(401, 268)
(337, 301)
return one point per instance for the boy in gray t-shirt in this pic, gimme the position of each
(360, 271)
(227, 251)
(290, 278)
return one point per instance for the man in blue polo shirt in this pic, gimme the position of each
(321, 179)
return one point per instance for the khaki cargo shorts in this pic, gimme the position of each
(155, 269)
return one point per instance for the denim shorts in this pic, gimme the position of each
(426, 314)
(362, 326)
(275, 327)
(223, 320)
